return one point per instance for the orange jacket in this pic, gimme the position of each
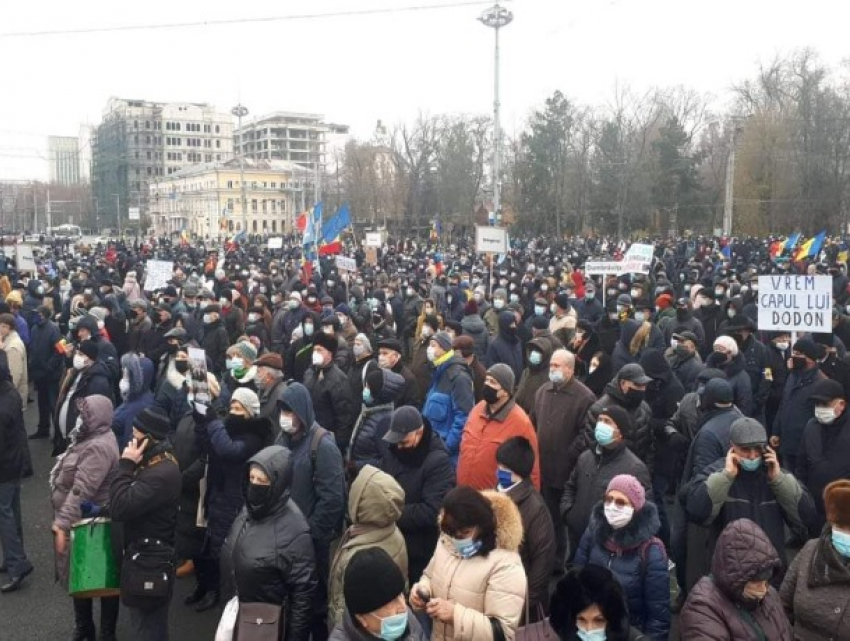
(482, 436)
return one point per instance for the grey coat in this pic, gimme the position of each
(816, 592)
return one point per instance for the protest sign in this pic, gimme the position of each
(157, 274)
(491, 240)
(795, 303)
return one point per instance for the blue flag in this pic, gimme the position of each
(332, 228)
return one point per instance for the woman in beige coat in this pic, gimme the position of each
(375, 503)
(83, 474)
(475, 581)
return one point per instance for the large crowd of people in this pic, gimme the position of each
(442, 444)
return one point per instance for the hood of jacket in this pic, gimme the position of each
(376, 499)
(88, 322)
(542, 345)
(297, 398)
(473, 324)
(655, 365)
(276, 463)
(96, 412)
(32, 288)
(508, 521)
(506, 319)
(391, 388)
(643, 526)
(743, 552)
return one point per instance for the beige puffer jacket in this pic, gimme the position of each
(482, 587)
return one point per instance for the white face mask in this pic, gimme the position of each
(253, 318)
(431, 353)
(327, 329)
(782, 346)
(80, 361)
(618, 517)
(287, 425)
(318, 359)
(208, 318)
(124, 387)
(498, 303)
(100, 324)
(825, 415)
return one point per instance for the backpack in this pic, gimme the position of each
(317, 437)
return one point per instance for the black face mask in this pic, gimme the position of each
(257, 495)
(634, 397)
(172, 349)
(490, 395)
(798, 362)
(181, 366)
(681, 314)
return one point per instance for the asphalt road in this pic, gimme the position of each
(41, 610)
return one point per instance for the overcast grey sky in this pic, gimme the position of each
(357, 70)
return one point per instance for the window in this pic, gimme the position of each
(217, 142)
(274, 226)
(137, 155)
(218, 156)
(265, 210)
(136, 139)
(147, 124)
(216, 130)
(274, 205)
(150, 171)
(253, 184)
(149, 155)
(254, 205)
(208, 158)
(274, 185)
(148, 140)
(230, 184)
(135, 124)
(254, 226)
(229, 204)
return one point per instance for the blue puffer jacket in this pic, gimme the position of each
(228, 445)
(639, 561)
(449, 401)
(373, 423)
(139, 371)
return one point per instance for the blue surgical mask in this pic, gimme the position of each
(589, 296)
(505, 478)
(467, 548)
(233, 363)
(841, 542)
(750, 465)
(535, 358)
(393, 627)
(367, 395)
(556, 376)
(640, 317)
(539, 310)
(592, 635)
(308, 329)
(603, 433)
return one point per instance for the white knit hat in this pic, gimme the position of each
(248, 399)
(728, 343)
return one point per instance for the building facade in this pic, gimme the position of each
(206, 200)
(304, 139)
(140, 142)
(64, 158)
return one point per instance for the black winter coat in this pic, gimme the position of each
(426, 474)
(824, 457)
(373, 423)
(15, 462)
(189, 538)
(796, 410)
(640, 439)
(332, 402)
(272, 552)
(94, 380)
(215, 345)
(45, 363)
(228, 445)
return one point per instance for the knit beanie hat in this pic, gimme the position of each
(504, 375)
(836, 502)
(248, 399)
(246, 350)
(89, 348)
(470, 308)
(620, 417)
(371, 580)
(808, 348)
(517, 455)
(728, 343)
(153, 422)
(631, 487)
(443, 340)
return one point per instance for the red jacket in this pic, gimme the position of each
(482, 436)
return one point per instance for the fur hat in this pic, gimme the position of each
(631, 487)
(836, 502)
(327, 341)
(517, 455)
(583, 587)
(270, 359)
(464, 345)
(248, 399)
(728, 343)
(153, 422)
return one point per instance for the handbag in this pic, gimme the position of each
(147, 574)
(259, 622)
(540, 630)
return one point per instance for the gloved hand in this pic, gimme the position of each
(89, 509)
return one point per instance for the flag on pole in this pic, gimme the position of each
(792, 241)
(335, 226)
(811, 247)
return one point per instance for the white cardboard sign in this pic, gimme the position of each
(24, 259)
(275, 243)
(157, 274)
(795, 303)
(603, 267)
(491, 240)
(345, 263)
(373, 239)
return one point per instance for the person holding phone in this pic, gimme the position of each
(749, 483)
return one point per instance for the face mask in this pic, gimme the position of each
(233, 363)
(467, 548)
(782, 346)
(124, 387)
(589, 296)
(556, 376)
(498, 303)
(634, 397)
(681, 350)
(327, 329)
(431, 354)
(287, 425)
(318, 359)
(505, 479)
(79, 361)
(257, 495)
(308, 329)
(539, 310)
(253, 318)
(635, 293)
(208, 318)
(730, 312)
(410, 292)
(592, 368)
(393, 627)
(544, 288)
(223, 302)
(100, 324)
(591, 635)
(825, 415)
(293, 304)
(674, 343)
(427, 331)
(359, 350)
(750, 465)
(640, 316)
(613, 316)
(490, 395)
(841, 542)
(603, 433)
(367, 395)
(535, 358)
(514, 298)
(618, 517)
(181, 366)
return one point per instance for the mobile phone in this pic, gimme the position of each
(423, 594)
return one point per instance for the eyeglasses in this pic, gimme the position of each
(620, 503)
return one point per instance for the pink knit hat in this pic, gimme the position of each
(631, 487)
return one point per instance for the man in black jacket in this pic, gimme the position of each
(216, 340)
(417, 458)
(44, 368)
(331, 393)
(144, 499)
(15, 465)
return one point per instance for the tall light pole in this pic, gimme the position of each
(239, 111)
(496, 17)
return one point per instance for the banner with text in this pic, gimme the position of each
(794, 303)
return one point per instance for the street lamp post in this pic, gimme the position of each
(118, 213)
(240, 111)
(496, 17)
